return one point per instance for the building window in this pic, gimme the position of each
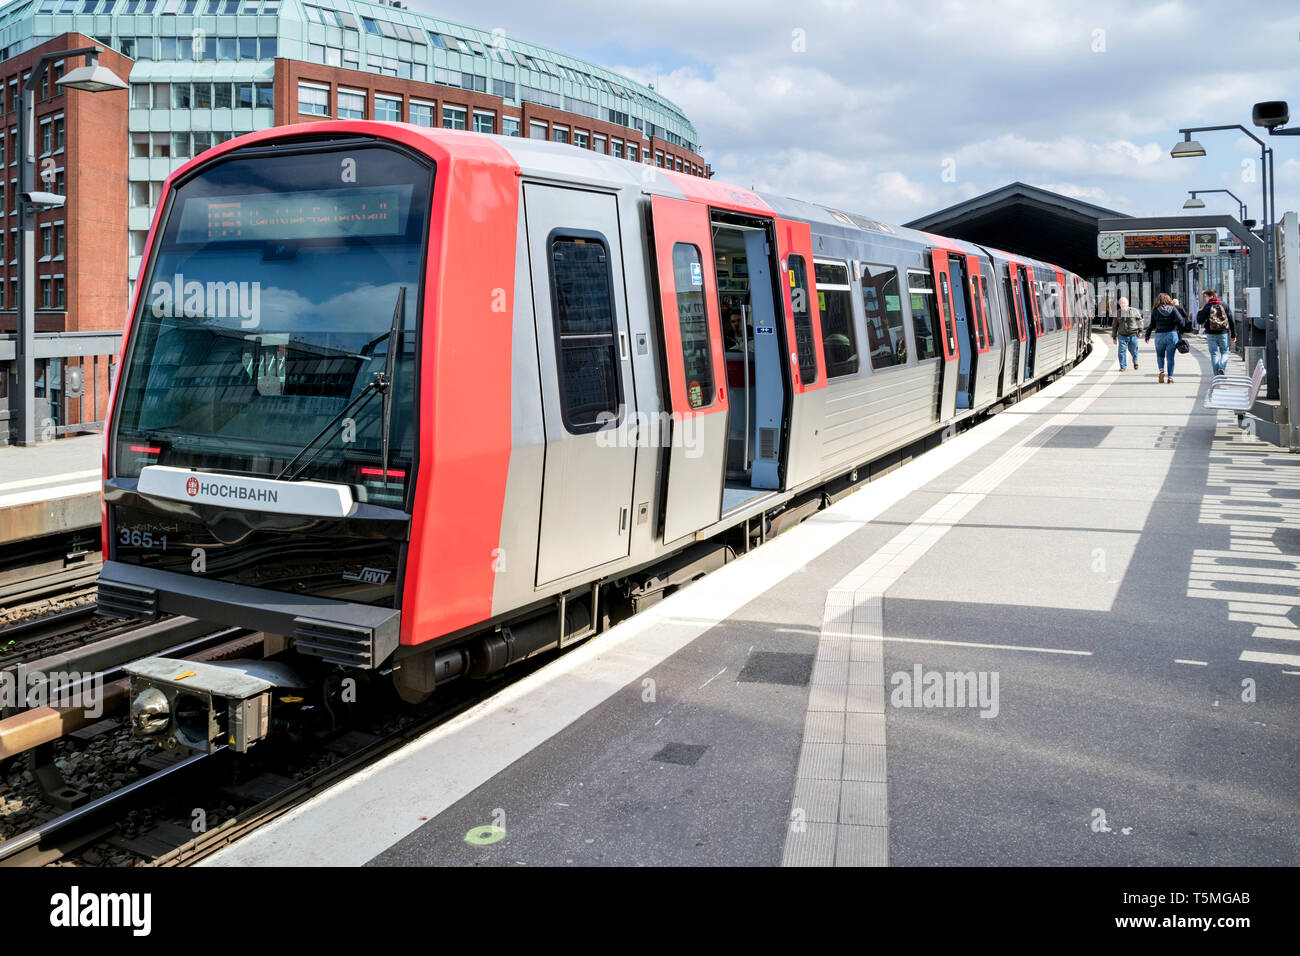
(352, 104)
(58, 292)
(453, 117)
(536, 130)
(244, 96)
(509, 126)
(47, 139)
(139, 193)
(388, 108)
(58, 240)
(202, 141)
(632, 152)
(485, 122)
(47, 243)
(835, 302)
(181, 145)
(560, 134)
(268, 47)
(351, 60)
(221, 98)
(333, 56)
(313, 100)
(659, 158)
(920, 295)
(248, 48)
(617, 148)
(45, 293)
(883, 308)
(181, 96)
(582, 307)
(580, 139)
(598, 144)
(141, 96)
(421, 113)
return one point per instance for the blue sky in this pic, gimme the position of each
(895, 109)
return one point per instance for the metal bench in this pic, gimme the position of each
(1235, 393)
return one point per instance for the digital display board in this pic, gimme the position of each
(357, 211)
(1137, 245)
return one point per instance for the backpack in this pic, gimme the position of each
(1217, 321)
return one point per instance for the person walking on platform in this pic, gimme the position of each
(1166, 322)
(1219, 333)
(1125, 332)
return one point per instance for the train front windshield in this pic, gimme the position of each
(282, 280)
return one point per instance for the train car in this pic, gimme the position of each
(422, 403)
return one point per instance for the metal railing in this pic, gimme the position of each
(76, 370)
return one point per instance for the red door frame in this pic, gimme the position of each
(1033, 302)
(975, 276)
(680, 220)
(1017, 304)
(795, 238)
(947, 324)
(1065, 300)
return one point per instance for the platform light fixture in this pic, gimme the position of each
(1197, 203)
(92, 77)
(1187, 149)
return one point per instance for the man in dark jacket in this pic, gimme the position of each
(1166, 322)
(1127, 328)
(1219, 333)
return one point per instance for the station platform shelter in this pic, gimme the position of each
(1068, 635)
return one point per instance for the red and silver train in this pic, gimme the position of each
(420, 403)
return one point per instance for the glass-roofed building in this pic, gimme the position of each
(202, 71)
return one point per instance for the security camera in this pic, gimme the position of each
(1270, 114)
(48, 200)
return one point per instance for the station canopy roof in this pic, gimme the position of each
(1033, 222)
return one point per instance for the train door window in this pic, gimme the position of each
(582, 303)
(1013, 326)
(834, 300)
(883, 308)
(803, 328)
(697, 352)
(990, 327)
(973, 310)
(925, 314)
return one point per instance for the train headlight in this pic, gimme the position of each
(150, 712)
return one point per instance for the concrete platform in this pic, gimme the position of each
(51, 487)
(1116, 569)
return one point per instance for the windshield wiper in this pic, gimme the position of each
(382, 384)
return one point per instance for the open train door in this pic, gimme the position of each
(695, 366)
(803, 337)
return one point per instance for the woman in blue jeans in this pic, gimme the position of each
(1166, 322)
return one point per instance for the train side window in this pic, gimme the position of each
(925, 316)
(582, 304)
(883, 307)
(834, 299)
(697, 352)
(803, 328)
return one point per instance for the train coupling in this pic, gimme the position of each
(204, 706)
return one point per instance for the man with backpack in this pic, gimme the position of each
(1125, 332)
(1214, 318)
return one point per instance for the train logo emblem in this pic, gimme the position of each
(192, 487)
(695, 394)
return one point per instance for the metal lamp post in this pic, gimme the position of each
(1195, 203)
(92, 78)
(1189, 148)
